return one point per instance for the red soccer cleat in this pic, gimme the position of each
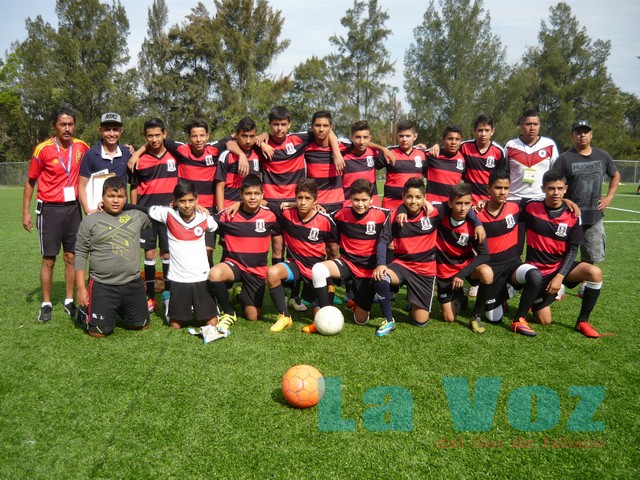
(587, 330)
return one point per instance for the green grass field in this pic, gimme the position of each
(161, 404)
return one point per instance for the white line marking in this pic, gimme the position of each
(620, 221)
(623, 210)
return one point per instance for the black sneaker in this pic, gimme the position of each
(71, 309)
(45, 313)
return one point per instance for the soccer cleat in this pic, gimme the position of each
(297, 305)
(522, 327)
(152, 304)
(386, 328)
(165, 301)
(82, 315)
(476, 324)
(561, 294)
(311, 328)
(281, 323)
(71, 309)
(581, 289)
(337, 300)
(587, 330)
(225, 321)
(45, 314)
(351, 305)
(473, 291)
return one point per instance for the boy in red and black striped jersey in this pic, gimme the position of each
(460, 256)
(409, 162)
(358, 227)
(307, 234)
(446, 168)
(152, 183)
(554, 235)
(247, 237)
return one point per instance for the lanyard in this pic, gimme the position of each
(67, 167)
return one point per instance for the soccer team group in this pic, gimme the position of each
(311, 201)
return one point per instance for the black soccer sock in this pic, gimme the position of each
(481, 299)
(209, 284)
(589, 299)
(383, 289)
(276, 260)
(295, 290)
(165, 272)
(532, 284)
(221, 295)
(150, 280)
(279, 300)
(322, 294)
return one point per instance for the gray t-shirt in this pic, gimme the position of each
(585, 174)
(113, 243)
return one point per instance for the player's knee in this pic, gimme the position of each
(595, 274)
(533, 278)
(273, 276)
(319, 275)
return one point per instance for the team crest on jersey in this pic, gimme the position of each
(459, 164)
(370, 163)
(208, 160)
(542, 153)
(290, 149)
(463, 240)
(171, 165)
(124, 218)
(256, 165)
(371, 228)
(491, 162)
(198, 231)
(562, 230)
(418, 161)
(425, 223)
(511, 222)
(313, 234)
(260, 227)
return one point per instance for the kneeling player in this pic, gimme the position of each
(554, 235)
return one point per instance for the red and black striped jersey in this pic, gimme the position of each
(227, 173)
(414, 242)
(442, 173)
(282, 172)
(320, 166)
(358, 237)
(247, 239)
(457, 248)
(502, 232)
(408, 165)
(201, 170)
(364, 165)
(480, 165)
(550, 233)
(56, 169)
(306, 240)
(155, 179)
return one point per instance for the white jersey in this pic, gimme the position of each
(189, 262)
(527, 165)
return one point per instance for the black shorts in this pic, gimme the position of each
(57, 224)
(502, 274)
(184, 296)
(361, 289)
(252, 286)
(419, 288)
(308, 292)
(148, 237)
(545, 299)
(107, 303)
(446, 293)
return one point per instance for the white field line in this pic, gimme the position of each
(622, 210)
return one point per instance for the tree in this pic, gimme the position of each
(455, 67)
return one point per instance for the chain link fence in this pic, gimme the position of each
(629, 170)
(13, 173)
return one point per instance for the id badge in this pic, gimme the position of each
(69, 194)
(529, 175)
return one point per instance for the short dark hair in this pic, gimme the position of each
(245, 125)
(279, 113)
(153, 123)
(405, 125)
(114, 183)
(321, 114)
(184, 187)
(460, 190)
(483, 119)
(449, 129)
(62, 110)
(360, 125)
(197, 123)
(553, 175)
(250, 181)
(413, 183)
(532, 112)
(308, 185)
(499, 174)
(361, 185)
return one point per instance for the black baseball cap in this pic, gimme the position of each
(580, 124)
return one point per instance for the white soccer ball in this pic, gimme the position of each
(329, 320)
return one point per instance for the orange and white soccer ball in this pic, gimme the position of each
(302, 386)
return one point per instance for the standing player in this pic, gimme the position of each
(445, 169)
(152, 183)
(104, 155)
(54, 167)
(554, 235)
